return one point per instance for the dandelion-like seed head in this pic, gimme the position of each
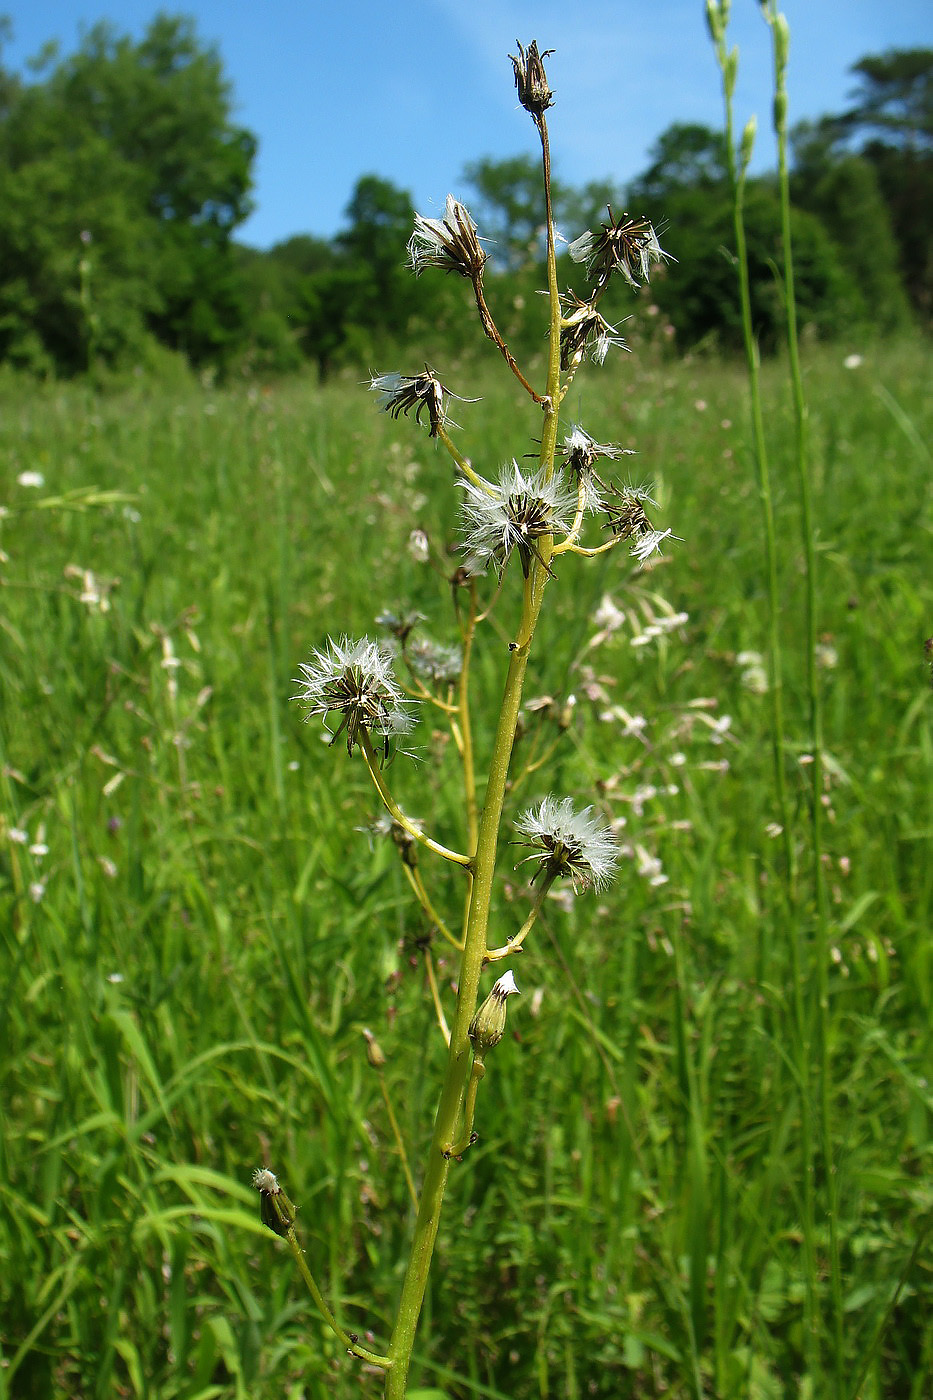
(433, 662)
(515, 514)
(624, 245)
(582, 326)
(581, 453)
(400, 393)
(450, 243)
(567, 843)
(627, 519)
(531, 80)
(356, 681)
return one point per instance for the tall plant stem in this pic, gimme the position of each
(483, 867)
(459, 1054)
(780, 44)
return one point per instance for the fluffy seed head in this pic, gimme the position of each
(625, 245)
(570, 844)
(400, 393)
(356, 681)
(514, 514)
(450, 243)
(582, 326)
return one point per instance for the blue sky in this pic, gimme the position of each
(412, 91)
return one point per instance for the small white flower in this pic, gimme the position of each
(569, 843)
(36, 891)
(35, 479)
(355, 679)
(419, 546)
(852, 361)
(514, 514)
(18, 836)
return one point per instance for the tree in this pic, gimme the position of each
(890, 124)
(686, 155)
(124, 161)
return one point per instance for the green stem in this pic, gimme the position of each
(780, 41)
(394, 810)
(469, 1108)
(482, 868)
(458, 1058)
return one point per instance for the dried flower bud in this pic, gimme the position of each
(531, 79)
(374, 1051)
(488, 1025)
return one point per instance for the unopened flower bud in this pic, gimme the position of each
(488, 1025)
(374, 1051)
(275, 1208)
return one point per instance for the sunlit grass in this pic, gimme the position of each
(188, 968)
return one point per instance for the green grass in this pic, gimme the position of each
(185, 1000)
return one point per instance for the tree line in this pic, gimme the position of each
(123, 180)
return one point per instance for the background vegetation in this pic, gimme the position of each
(123, 180)
(195, 927)
(195, 932)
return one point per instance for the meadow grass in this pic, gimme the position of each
(188, 967)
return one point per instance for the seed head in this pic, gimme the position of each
(623, 245)
(356, 681)
(581, 453)
(626, 518)
(582, 326)
(450, 243)
(569, 844)
(531, 79)
(516, 513)
(400, 393)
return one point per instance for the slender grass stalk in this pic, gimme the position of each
(780, 40)
(717, 12)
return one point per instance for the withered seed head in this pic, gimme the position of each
(531, 79)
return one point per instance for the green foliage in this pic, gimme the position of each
(697, 293)
(121, 181)
(183, 999)
(892, 117)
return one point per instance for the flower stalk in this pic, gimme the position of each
(513, 526)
